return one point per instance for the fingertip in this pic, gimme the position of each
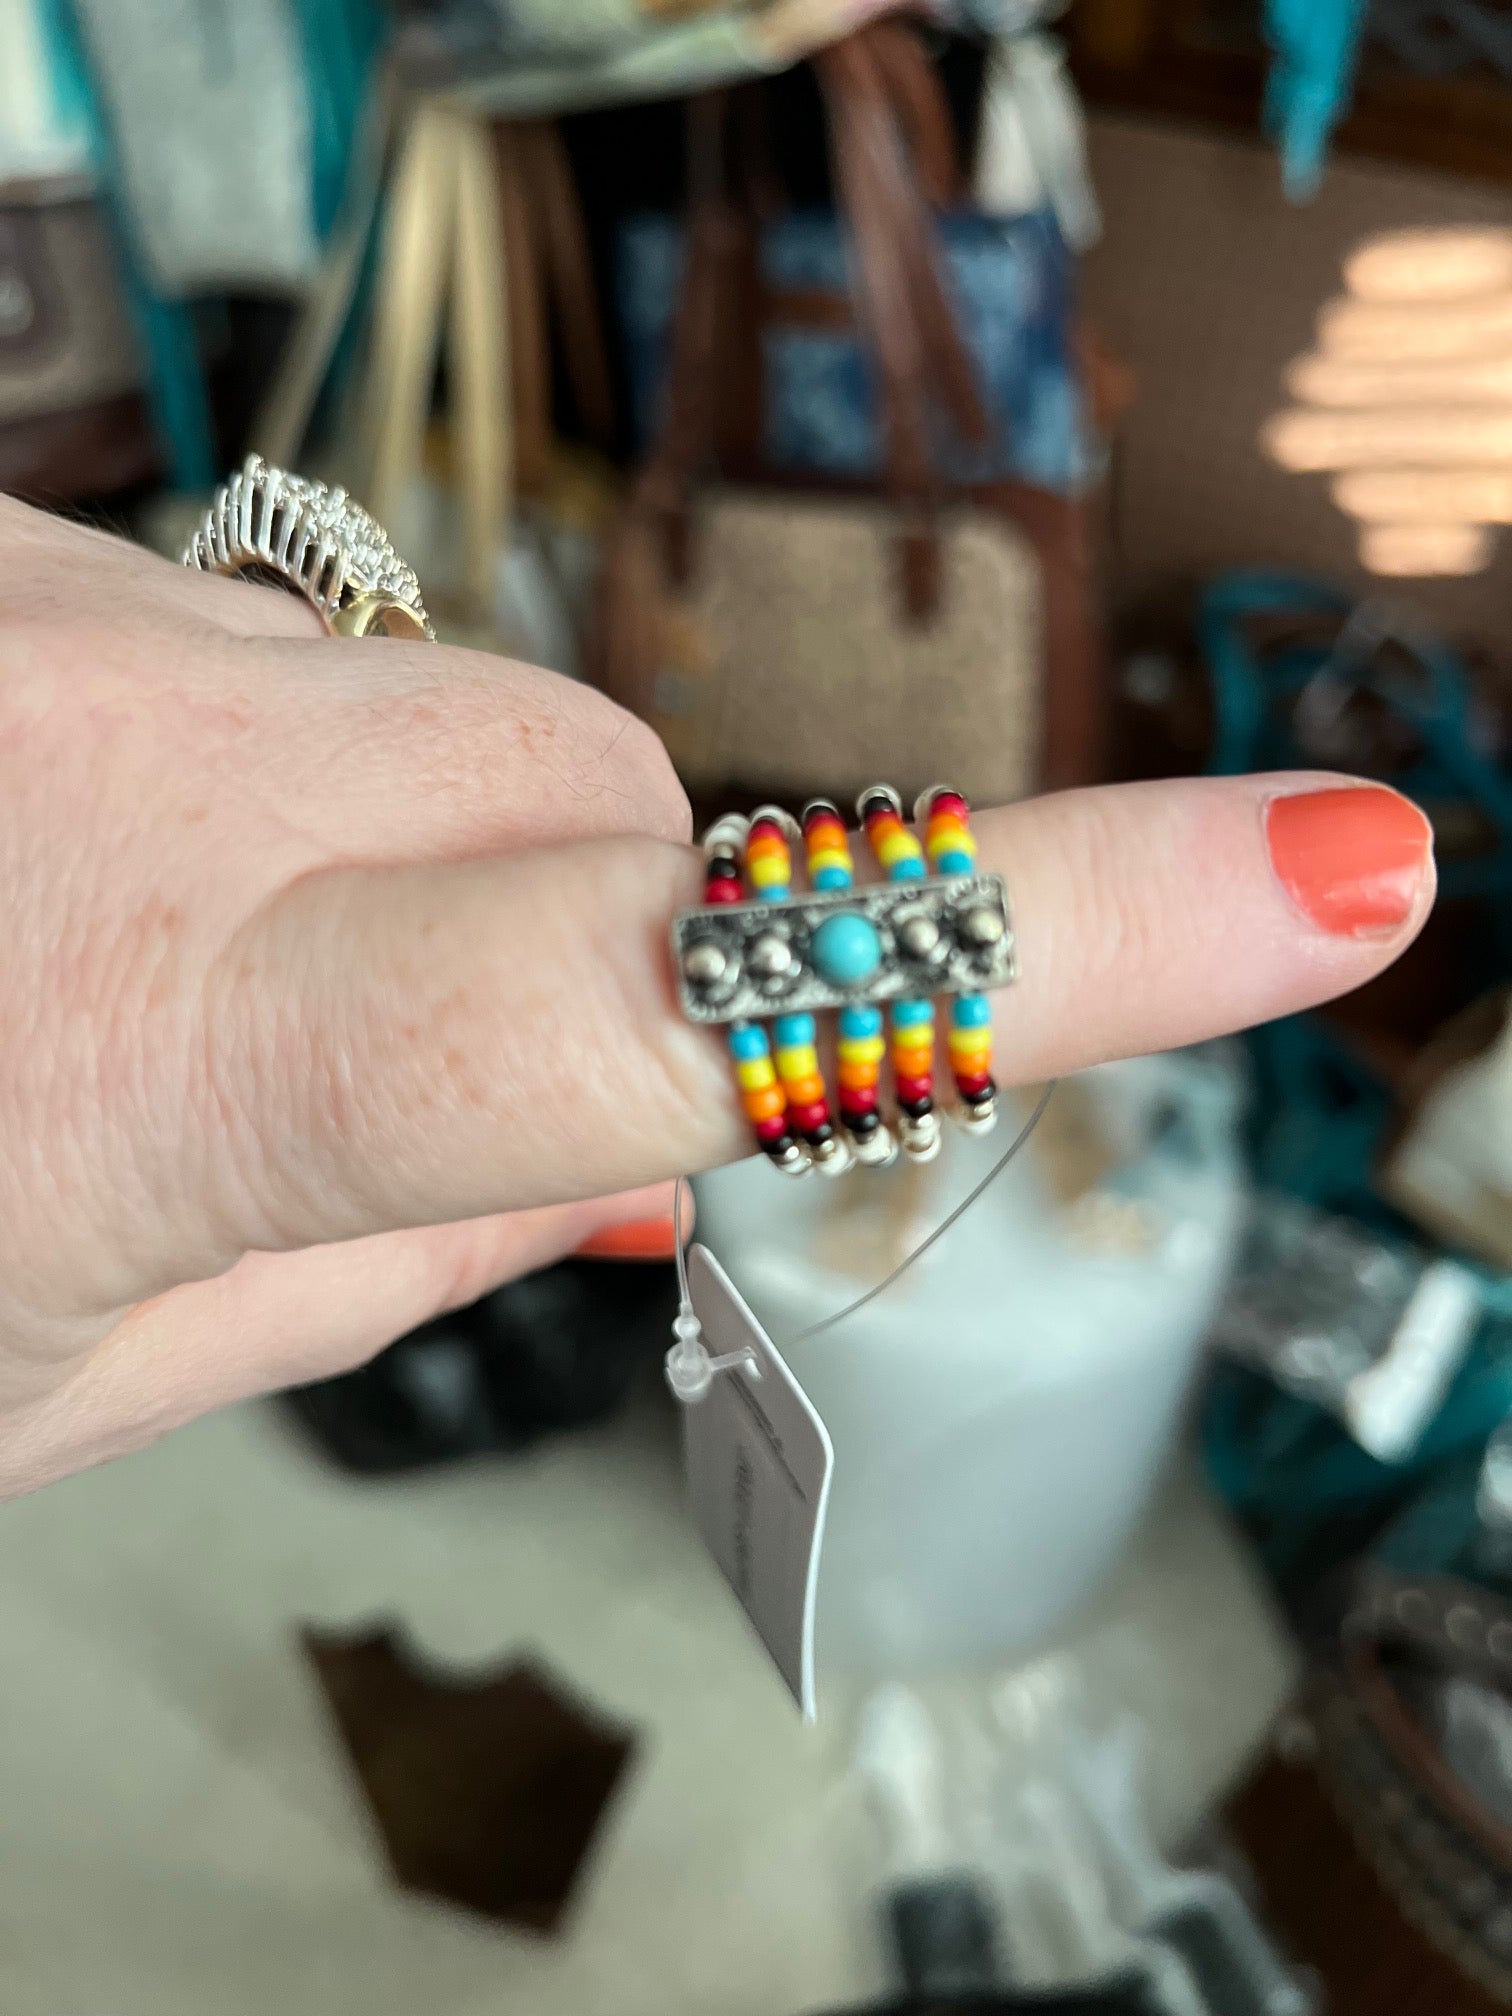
(1353, 858)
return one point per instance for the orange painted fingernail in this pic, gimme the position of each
(1352, 859)
(640, 1239)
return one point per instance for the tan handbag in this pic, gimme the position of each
(483, 255)
(794, 642)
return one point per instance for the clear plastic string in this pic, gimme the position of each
(951, 1218)
(680, 1192)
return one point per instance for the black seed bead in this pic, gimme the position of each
(916, 1108)
(781, 1148)
(875, 801)
(724, 864)
(817, 1136)
(863, 1123)
(983, 1098)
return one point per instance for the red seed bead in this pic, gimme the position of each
(771, 1130)
(914, 1088)
(807, 1118)
(858, 1098)
(724, 889)
(978, 1081)
(949, 801)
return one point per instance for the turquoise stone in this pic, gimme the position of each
(847, 950)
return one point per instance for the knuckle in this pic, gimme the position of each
(1119, 931)
(659, 797)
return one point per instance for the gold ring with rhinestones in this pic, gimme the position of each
(269, 525)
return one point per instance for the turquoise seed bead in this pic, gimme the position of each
(910, 869)
(791, 1030)
(777, 893)
(860, 1019)
(747, 1041)
(832, 878)
(954, 862)
(907, 1012)
(972, 1011)
(847, 950)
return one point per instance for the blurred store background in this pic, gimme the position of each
(1133, 378)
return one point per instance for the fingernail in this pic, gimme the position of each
(1352, 859)
(640, 1239)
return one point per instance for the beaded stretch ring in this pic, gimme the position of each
(757, 951)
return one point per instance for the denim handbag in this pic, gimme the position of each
(801, 625)
(1010, 285)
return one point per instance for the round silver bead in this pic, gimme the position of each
(875, 790)
(982, 926)
(921, 1136)
(876, 1149)
(919, 935)
(833, 1157)
(770, 956)
(980, 1119)
(705, 963)
(794, 1161)
(727, 834)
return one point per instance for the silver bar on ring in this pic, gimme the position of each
(939, 935)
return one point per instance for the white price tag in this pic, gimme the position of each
(758, 1461)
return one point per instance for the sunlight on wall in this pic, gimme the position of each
(1406, 400)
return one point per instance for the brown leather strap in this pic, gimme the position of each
(924, 147)
(870, 183)
(913, 89)
(562, 241)
(901, 310)
(712, 248)
(529, 340)
(905, 319)
(550, 273)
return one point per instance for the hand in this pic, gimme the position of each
(337, 982)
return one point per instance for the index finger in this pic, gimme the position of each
(410, 1045)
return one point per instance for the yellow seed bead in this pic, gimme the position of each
(755, 1072)
(801, 1061)
(862, 1049)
